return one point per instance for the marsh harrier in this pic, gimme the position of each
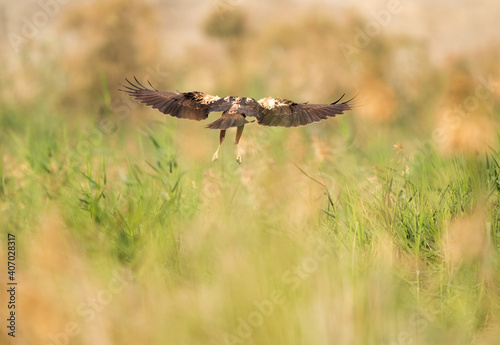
(235, 110)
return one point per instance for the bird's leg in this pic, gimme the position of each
(221, 139)
(239, 131)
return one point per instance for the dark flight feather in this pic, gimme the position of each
(188, 105)
(285, 113)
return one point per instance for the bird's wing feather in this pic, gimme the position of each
(285, 113)
(185, 105)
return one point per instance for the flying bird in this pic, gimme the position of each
(235, 110)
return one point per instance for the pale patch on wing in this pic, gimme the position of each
(270, 102)
(267, 103)
(209, 99)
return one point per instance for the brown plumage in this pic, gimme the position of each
(268, 111)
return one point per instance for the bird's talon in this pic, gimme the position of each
(214, 158)
(238, 159)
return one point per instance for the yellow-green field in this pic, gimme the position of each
(378, 227)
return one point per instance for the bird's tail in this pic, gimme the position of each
(228, 120)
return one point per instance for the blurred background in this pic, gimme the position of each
(97, 186)
(415, 66)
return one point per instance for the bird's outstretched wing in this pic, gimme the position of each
(285, 113)
(184, 105)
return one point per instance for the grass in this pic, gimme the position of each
(286, 248)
